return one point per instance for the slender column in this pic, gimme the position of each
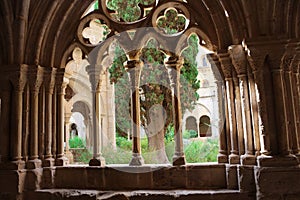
(281, 108)
(61, 84)
(94, 75)
(264, 103)
(294, 106)
(41, 124)
(216, 68)
(174, 65)
(49, 88)
(254, 112)
(229, 87)
(35, 82)
(296, 88)
(54, 123)
(26, 122)
(238, 56)
(134, 68)
(238, 114)
(68, 154)
(16, 122)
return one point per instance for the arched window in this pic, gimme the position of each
(191, 123)
(205, 126)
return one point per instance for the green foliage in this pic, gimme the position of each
(76, 142)
(127, 11)
(85, 156)
(193, 134)
(186, 134)
(202, 151)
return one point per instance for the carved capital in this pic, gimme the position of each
(49, 77)
(35, 75)
(226, 65)
(61, 82)
(134, 68)
(173, 65)
(94, 76)
(237, 54)
(19, 78)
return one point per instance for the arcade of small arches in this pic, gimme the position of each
(254, 60)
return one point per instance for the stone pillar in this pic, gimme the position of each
(18, 80)
(61, 84)
(174, 65)
(49, 88)
(295, 94)
(54, 122)
(26, 122)
(290, 66)
(35, 81)
(134, 68)
(254, 112)
(238, 56)
(227, 69)
(264, 101)
(238, 114)
(68, 154)
(217, 69)
(94, 75)
(280, 98)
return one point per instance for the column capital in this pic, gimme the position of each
(238, 57)
(174, 62)
(49, 78)
(134, 69)
(94, 75)
(226, 65)
(35, 75)
(19, 77)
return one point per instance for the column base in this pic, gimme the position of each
(62, 161)
(222, 158)
(97, 162)
(34, 164)
(13, 165)
(178, 160)
(248, 159)
(136, 160)
(277, 161)
(234, 159)
(48, 162)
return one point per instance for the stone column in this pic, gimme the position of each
(217, 72)
(26, 122)
(174, 65)
(264, 101)
(61, 84)
(134, 68)
(54, 122)
(68, 154)
(36, 78)
(238, 56)
(94, 75)
(18, 80)
(254, 112)
(49, 88)
(280, 98)
(238, 114)
(293, 102)
(227, 69)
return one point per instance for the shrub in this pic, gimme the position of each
(76, 142)
(193, 133)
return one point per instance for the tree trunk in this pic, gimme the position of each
(156, 133)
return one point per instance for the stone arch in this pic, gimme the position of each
(191, 124)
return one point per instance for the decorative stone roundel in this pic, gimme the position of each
(128, 11)
(171, 18)
(93, 29)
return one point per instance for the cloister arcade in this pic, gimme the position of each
(254, 58)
